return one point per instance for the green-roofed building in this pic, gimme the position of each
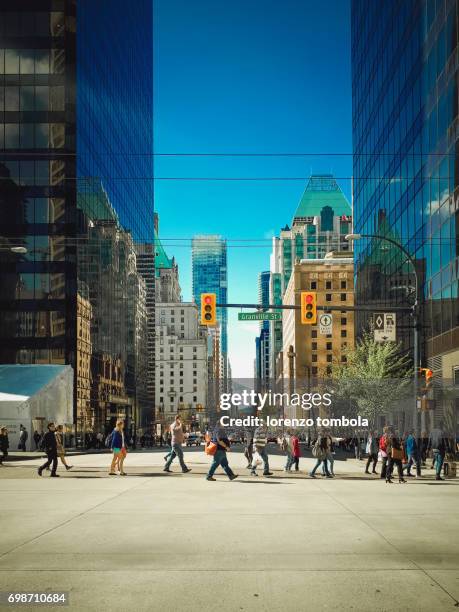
(321, 221)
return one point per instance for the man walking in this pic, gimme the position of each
(177, 437)
(248, 450)
(23, 435)
(439, 445)
(372, 451)
(36, 439)
(49, 445)
(413, 453)
(223, 445)
(260, 441)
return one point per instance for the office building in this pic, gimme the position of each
(405, 91)
(319, 225)
(307, 355)
(60, 62)
(181, 363)
(209, 263)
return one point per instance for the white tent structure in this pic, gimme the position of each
(33, 395)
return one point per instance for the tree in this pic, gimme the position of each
(375, 377)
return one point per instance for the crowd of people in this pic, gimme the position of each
(403, 454)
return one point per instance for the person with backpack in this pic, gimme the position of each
(383, 453)
(330, 458)
(49, 445)
(395, 454)
(319, 451)
(220, 444)
(4, 444)
(60, 447)
(118, 444)
(260, 451)
(439, 445)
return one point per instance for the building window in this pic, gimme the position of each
(329, 346)
(328, 285)
(456, 375)
(314, 346)
(343, 320)
(195, 399)
(181, 398)
(314, 370)
(343, 297)
(343, 284)
(314, 357)
(328, 297)
(329, 358)
(313, 333)
(343, 333)
(313, 285)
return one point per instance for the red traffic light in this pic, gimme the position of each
(309, 298)
(208, 299)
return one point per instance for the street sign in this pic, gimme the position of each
(325, 324)
(384, 326)
(259, 316)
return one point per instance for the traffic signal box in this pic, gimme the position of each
(426, 384)
(208, 309)
(308, 307)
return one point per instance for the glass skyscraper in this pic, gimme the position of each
(209, 263)
(76, 99)
(405, 133)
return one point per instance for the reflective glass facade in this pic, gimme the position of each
(76, 172)
(405, 131)
(210, 276)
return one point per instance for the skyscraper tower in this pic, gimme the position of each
(209, 263)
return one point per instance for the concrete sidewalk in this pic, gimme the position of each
(174, 542)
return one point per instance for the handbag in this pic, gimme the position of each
(397, 453)
(210, 448)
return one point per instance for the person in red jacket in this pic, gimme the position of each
(296, 452)
(383, 442)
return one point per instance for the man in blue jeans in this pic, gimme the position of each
(178, 435)
(438, 443)
(413, 454)
(223, 445)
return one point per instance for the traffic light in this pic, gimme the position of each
(308, 307)
(428, 379)
(208, 309)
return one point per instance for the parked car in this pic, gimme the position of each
(193, 440)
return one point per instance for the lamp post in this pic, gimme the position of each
(414, 314)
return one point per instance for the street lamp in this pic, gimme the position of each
(414, 313)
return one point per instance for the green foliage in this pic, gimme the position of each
(375, 378)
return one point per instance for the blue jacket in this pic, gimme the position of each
(410, 445)
(117, 439)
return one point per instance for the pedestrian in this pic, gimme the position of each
(295, 452)
(320, 451)
(285, 445)
(413, 454)
(60, 446)
(23, 435)
(395, 455)
(248, 449)
(438, 444)
(372, 450)
(220, 438)
(356, 442)
(330, 458)
(100, 440)
(49, 445)
(36, 439)
(118, 444)
(383, 442)
(177, 437)
(4, 444)
(260, 451)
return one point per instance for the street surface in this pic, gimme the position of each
(174, 542)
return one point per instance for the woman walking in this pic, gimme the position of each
(4, 444)
(59, 433)
(295, 452)
(118, 445)
(383, 442)
(395, 454)
(320, 452)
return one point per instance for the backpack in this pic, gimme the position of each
(317, 451)
(284, 444)
(108, 440)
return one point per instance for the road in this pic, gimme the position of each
(175, 542)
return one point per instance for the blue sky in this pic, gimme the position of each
(246, 76)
